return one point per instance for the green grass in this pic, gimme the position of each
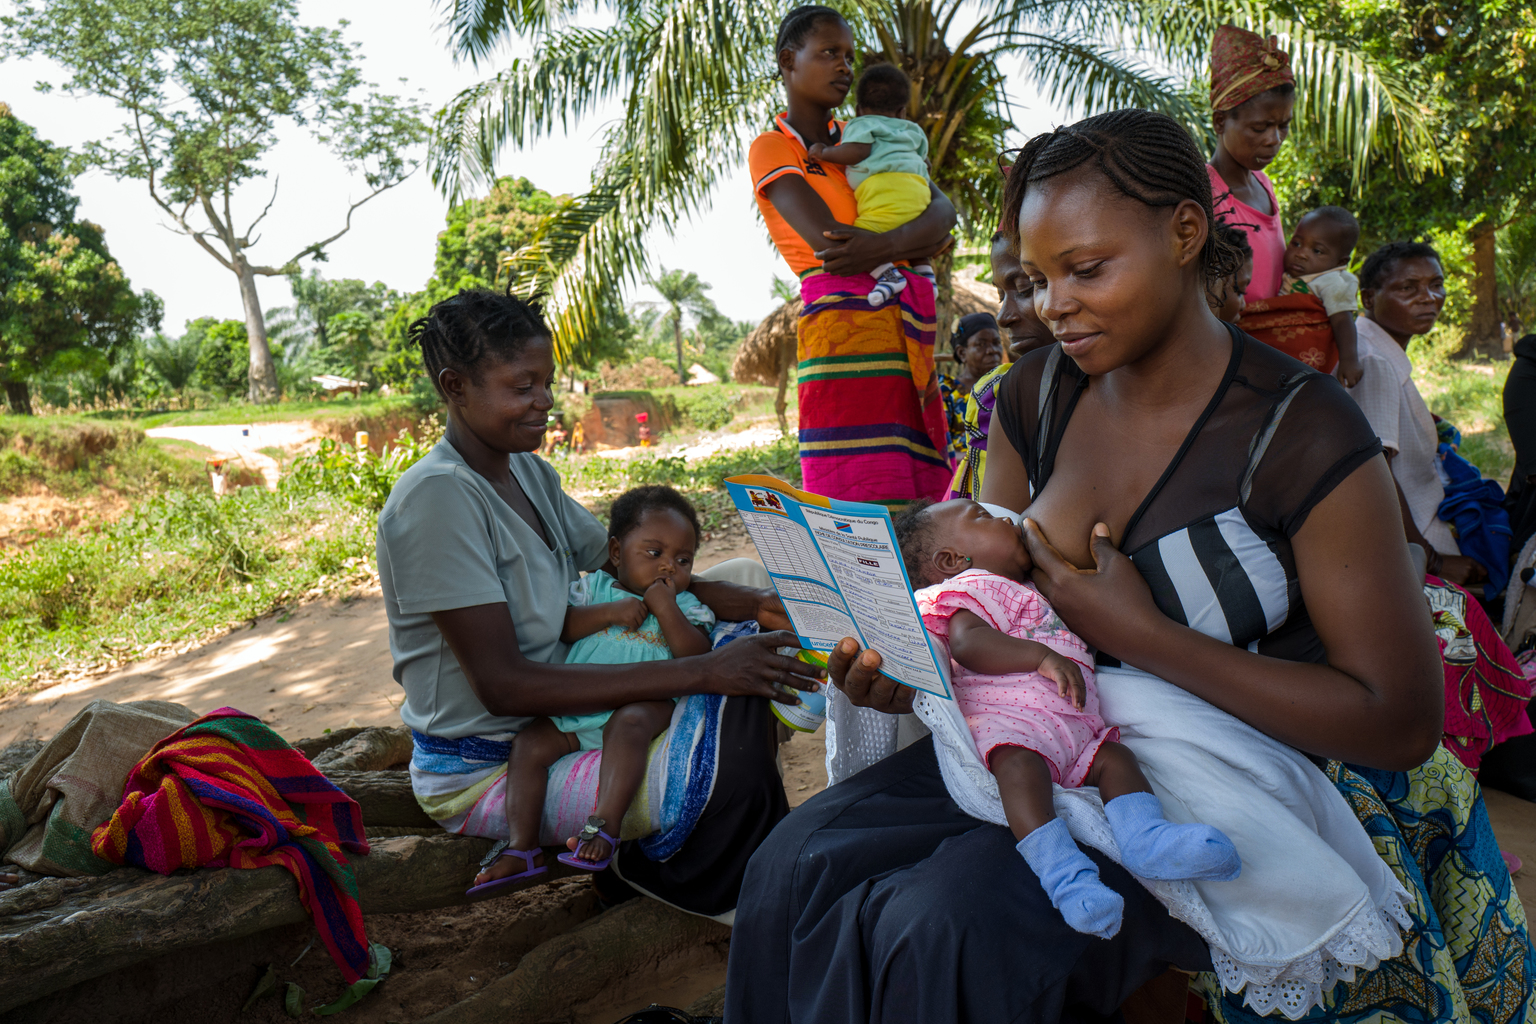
(180, 565)
(343, 408)
(183, 564)
(1470, 394)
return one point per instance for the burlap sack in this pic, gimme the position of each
(49, 808)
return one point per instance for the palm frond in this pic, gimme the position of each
(1346, 99)
(1086, 78)
(585, 252)
(576, 71)
(476, 28)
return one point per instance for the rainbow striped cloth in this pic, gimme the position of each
(226, 791)
(872, 427)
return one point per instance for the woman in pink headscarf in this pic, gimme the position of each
(1253, 94)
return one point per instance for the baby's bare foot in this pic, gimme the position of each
(505, 866)
(592, 850)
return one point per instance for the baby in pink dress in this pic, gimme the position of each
(1024, 683)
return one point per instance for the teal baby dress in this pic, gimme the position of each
(618, 645)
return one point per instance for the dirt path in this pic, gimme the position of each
(245, 442)
(323, 666)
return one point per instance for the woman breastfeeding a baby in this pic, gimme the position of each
(1206, 515)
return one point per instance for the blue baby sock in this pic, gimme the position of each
(1072, 880)
(1153, 847)
(888, 285)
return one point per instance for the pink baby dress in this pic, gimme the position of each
(1022, 709)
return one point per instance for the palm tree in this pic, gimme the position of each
(695, 78)
(682, 293)
(174, 360)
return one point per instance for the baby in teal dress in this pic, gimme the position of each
(644, 614)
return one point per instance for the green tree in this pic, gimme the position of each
(205, 86)
(173, 360)
(221, 350)
(316, 300)
(1471, 64)
(1517, 275)
(356, 340)
(696, 80)
(65, 304)
(682, 295)
(480, 236)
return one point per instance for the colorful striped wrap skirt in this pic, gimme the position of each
(462, 783)
(872, 427)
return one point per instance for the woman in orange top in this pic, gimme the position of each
(872, 427)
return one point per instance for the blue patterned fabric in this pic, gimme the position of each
(1469, 957)
(463, 756)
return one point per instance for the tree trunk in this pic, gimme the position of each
(372, 749)
(944, 301)
(262, 386)
(19, 395)
(677, 337)
(1483, 333)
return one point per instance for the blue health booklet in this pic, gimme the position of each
(838, 570)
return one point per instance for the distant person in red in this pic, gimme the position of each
(1253, 94)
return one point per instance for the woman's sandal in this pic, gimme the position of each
(485, 890)
(593, 830)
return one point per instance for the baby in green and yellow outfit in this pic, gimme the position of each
(889, 172)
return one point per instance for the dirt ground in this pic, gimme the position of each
(245, 441)
(25, 518)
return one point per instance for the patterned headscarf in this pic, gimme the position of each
(1244, 64)
(968, 325)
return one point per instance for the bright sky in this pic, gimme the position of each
(393, 237)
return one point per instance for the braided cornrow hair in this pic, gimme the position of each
(797, 24)
(464, 332)
(1146, 155)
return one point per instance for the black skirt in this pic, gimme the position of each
(880, 900)
(704, 877)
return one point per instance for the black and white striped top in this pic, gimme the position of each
(1213, 537)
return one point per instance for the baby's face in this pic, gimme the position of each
(993, 544)
(1315, 246)
(661, 545)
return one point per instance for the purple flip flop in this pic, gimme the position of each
(486, 890)
(593, 830)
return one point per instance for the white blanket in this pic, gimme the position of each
(1314, 902)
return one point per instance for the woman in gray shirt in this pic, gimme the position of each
(477, 546)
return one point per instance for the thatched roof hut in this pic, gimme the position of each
(770, 348)
(766, 355)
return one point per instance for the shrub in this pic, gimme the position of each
(357, 475)
(706, 408)
(649, 372)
